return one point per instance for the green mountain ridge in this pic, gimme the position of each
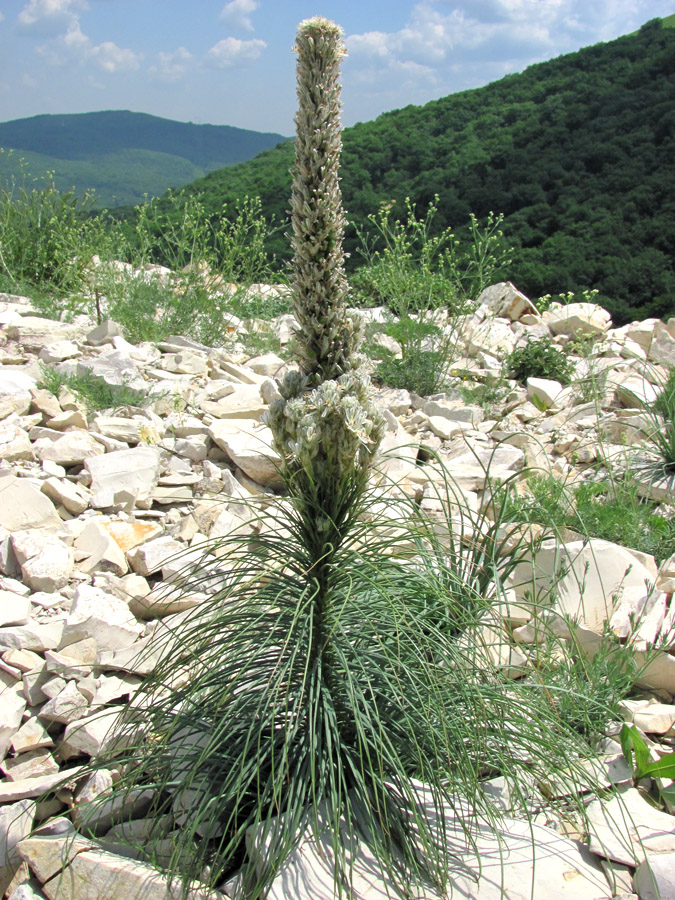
(577, 152)
(122, 155)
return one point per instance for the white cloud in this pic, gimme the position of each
(74, 46)
(51, 12)
(111, 58)
(231, 51)
(464, 43)
(172, 66)
(238, 13)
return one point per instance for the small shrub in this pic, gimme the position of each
(409, 272)
(488, 393)
(547, 502)
(613, 511)
(93, 392)
(660, 435)
(584, 692)
(424, 355)
(46, 240)
(539, 359)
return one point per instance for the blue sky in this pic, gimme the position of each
(229, 62)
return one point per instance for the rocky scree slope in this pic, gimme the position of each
(99, 512)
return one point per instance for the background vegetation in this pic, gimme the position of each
(123, 156)
(578, 153)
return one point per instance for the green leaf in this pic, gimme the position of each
(630, 738)
(664, 768)
(668, 793)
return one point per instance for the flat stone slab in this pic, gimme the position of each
(22, 506)
(250, 448)
(520, 861)
(133, 472)
(625, 828)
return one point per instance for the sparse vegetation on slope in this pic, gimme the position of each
(123, 156)
(578, 153)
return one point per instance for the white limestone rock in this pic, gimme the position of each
(14, 610)
(70, 450)
(546, 392)
(16, 823)
(101, 616)
(103, 553)
(68, 706)
(587, 577)
(468, 465)
(92, 735)
(446, 429)
(656, 718)
(58, 351)
(123, 473)
(36, 636)
(127, 430)
(268, 364)
(657, 671)
(15, 387)
(654, 879)
(626, 827)
(51, 569)
(34, 332)
(73, 497)
(149, 557)
(32, 764)
(187, 362)
(31, 736)
(578, 319)
(103, 333)
(250, 448)
(494, 337)
(521, 859)
(14, 443)
(114, 367)
(662, 348)
(503, 299)
(12, 706)
(454, 412)
(22, 505)
(75, 869)
(245, 402)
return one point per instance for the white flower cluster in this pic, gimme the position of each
(328, 338)
(324, 423)
(330, 431)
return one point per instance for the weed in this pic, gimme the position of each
(547, 502)
(615, 512)
(632, 742)
(665, 402)
(586, 692)
(424, 355)
(93, 392)
(609, 510)
(487, 393)
(46, 241)
(540, 359)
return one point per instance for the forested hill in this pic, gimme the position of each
(578, 153)
(124, 155)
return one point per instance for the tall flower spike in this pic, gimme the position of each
(328, 338)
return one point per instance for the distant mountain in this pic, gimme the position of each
(124, 155)
(578, 153)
